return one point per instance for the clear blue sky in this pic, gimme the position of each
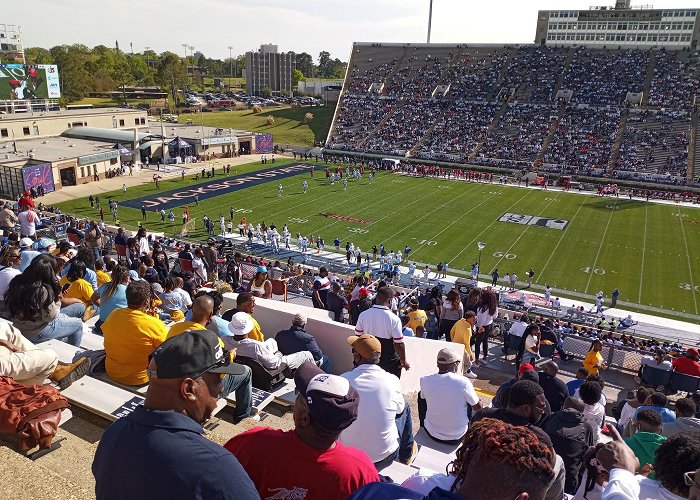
(302, 26)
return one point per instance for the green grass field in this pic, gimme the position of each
(644, 249)
(289, 126)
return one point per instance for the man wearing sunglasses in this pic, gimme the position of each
(158, 450)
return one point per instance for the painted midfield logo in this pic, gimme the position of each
(532, 220)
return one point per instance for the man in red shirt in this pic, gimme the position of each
(688, 364)
(308, 462)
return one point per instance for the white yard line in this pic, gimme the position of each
(561, 238)
(687, 254)
(644, 249)
(600, 247)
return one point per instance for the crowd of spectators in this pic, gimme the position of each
(583, 137)
(519, 133)
(533, 72)
(604, 77)
(675, 81)
(357, 118)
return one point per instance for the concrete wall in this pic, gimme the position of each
(331, 336)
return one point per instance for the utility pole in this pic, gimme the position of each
(185, 46)
(430, 19)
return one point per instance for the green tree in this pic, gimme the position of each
(305, 64)
(75, 79)
(170, 73)
(141, 73)
(297, 76)
(324, 60)
(266, 92)
(38, 55)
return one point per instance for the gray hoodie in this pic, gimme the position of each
(682, 424)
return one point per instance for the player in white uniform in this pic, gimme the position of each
(279, 190)
(345, 184)
(305, 186)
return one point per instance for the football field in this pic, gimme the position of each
(576, 244)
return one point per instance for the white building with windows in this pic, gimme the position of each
(619, 26)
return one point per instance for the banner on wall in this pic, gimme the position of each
(263, 143)
(38, 175)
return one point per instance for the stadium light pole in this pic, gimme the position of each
(481, 245)
(430, 19)
(230, 65)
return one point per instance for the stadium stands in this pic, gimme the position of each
(623, 114)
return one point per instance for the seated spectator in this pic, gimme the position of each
(266, 353)
(172, 302)
(297, 340)
(9, 268)
(462, 333)
(131, 335)
(102, 276)
(217, 324)
(647, 438)
(245, 302)
(571, 436)
(239, 381)
(491, 449)
(593, 411)
(383, 428)
(76, 287)
(549, 337)
(677, 461)
(32, 365)
(573, 385)
(111, 295)
(445, 400)
(595, 477)
(260, 285)
(500, 399)
(324, 468)
(159, 450)
(185, 287)
(631, 405)
(26, 253)
(688, 364)
(185, 253)
(336, 302)
(659, 403)
(555, 389)
(37, 309)
(658, 360)
(685, 419)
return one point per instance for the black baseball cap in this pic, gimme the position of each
(191, 354)
(332, 401)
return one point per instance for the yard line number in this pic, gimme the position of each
(501, 255)
(598, 271)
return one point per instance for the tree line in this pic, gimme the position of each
(100, 69)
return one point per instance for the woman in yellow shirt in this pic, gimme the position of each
(593, 362)
(461, 333)
(76, 287)
(102, 276)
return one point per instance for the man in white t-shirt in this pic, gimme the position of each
(445, 398)
(383, 428)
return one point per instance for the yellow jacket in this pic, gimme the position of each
(461, 333)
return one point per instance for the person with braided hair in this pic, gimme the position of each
(491, 449)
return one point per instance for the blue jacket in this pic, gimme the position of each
(296, 340)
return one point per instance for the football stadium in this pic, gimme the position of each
(428, 271)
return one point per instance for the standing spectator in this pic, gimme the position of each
(320, 288)
(324, 468)
(164, 437)
(688, 364)
(210, 256)
(445, 399)
(686, 421)
(613, 299)
(513, 280)
(94, 239)
(494, 277)
(297, 340)
(336, 303)
(593, 362)
(386, 327)
(486, 312)
(160, 261)
(571, 436)
(452, 311)
(647, 438)
(383, 428)
(462, 333)
(199, 267)
(530, 276)
(28, 219)
(555, 389)
(359, 305)
(416, 316)
(131, 335)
